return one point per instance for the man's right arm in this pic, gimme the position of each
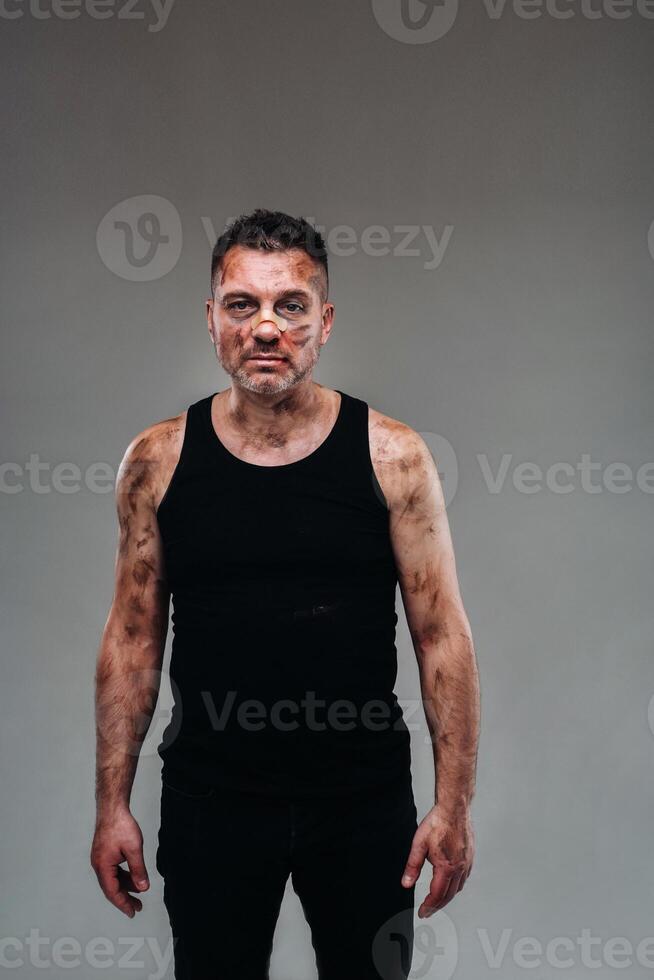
(128, 665)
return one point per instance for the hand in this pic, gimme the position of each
(448, 841)
(118, 839)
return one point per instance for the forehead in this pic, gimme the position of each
(258, 271)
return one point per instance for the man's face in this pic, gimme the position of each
(268, 303)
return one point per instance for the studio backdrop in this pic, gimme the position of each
(484, 178)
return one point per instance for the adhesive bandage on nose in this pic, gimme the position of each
(264, 316)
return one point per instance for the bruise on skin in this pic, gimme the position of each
(148, 534)
(425, 581)
(142, 570)
(124, 538)
(262, 439)
(430, 633)
(422, 584)
(301, 341)
(400, 467)
(141, 472)
(411, 504)
(140, 595)
(238, 342)
(135, 604)
(137, 479)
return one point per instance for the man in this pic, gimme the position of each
(280, 515)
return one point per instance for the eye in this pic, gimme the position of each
(239, 305)
(297, 307)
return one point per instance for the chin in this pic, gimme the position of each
(263, 385)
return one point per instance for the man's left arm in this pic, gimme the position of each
(443, 644)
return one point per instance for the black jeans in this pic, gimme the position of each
(225, 859)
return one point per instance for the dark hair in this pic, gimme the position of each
(271, 230)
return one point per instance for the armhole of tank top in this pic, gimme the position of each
(178, 464)
(377, 492)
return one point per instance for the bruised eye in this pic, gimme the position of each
(240, 305)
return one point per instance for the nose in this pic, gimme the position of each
(266, 323)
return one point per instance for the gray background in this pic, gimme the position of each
(532, 138)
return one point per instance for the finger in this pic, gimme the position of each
(127, 880)
(414, 862)
(107, 875)
(440, 882)
(466, 873)
(114, 892)
(451, 891)
(137, 868)
(464, 878)
(127, 886)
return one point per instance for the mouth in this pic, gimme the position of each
(267, 359)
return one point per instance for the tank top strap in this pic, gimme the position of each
(340, 441)
(196, 422)
(193, 455)
(351, 452)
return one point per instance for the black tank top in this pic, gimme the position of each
(283, 586)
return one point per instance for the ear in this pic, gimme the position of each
(209, 309)
(327, 320)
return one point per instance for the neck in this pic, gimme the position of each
(274, 418)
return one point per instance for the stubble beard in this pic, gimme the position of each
(273, 383)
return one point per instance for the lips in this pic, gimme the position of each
(266, 357)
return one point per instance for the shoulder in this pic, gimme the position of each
(400, 456)
(149, 460)
(394, 443)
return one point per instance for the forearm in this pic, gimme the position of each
(126, 691)
(451, 700)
